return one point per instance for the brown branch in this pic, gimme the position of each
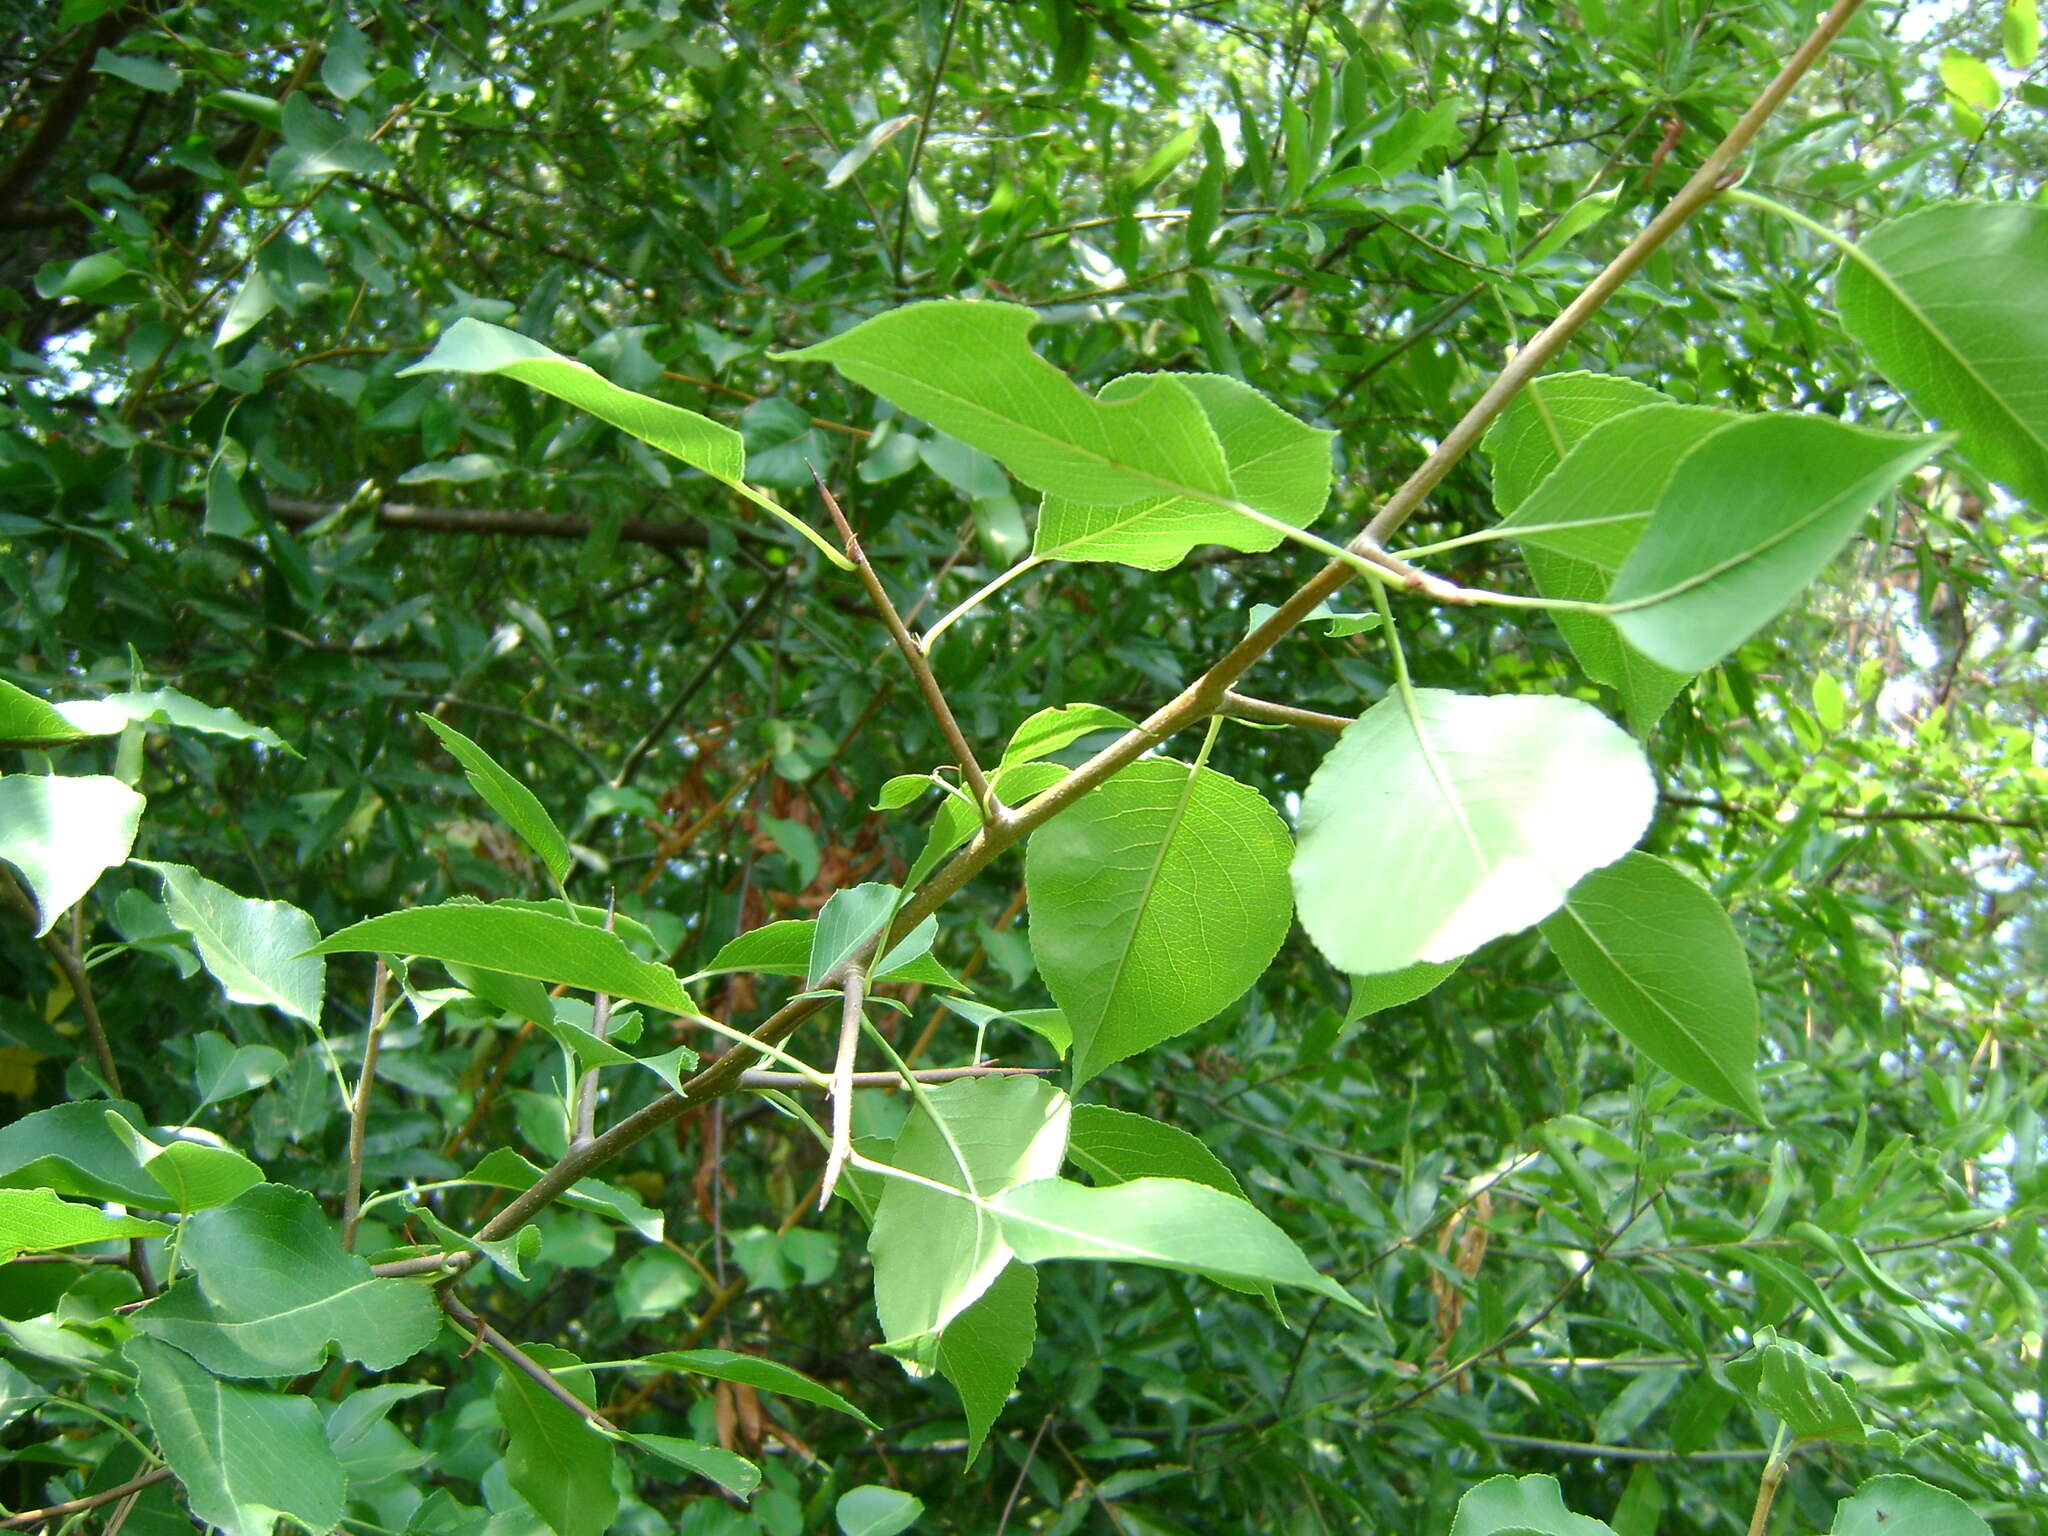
(915, 658)
(1241, 706)
(734, 634)
(75, 975)
(60, 113)
(797, 1082)
(542, 525)
(34, 1517)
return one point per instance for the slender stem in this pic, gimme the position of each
(913, 655)
(73, 967)
(987, 591)
(359, 1110)
(791, 1081)
(1241, 706)
(924, 127)
(1767, 1485)
(1510, 531)
(583, 1123)
(853, 995)
(33, 1517)
(524, 1363)
(695, 685)
(1532, 359)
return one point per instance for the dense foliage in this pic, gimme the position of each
(438, 714)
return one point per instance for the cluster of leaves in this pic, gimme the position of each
(246, 1180)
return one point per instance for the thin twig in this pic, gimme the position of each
(695, 685)
(924, 128)
(359, 1110)
(1617, 1452)
(522, 1362)
(1023, 1471)
(1241, 706)
(853, 995)
(75, 974)
(913, 655)
(796, 1082)
(34, 1517)
(584, 1123)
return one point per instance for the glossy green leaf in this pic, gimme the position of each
(475, 346)
(519, 942)
(194, 1169)
(1168, 1223)
(1579, 526)
(245, 1457)
(984, 1349)
(935, 1254)
(513, 801)
(506, 1169)
(37, 1221)
(1277, 465)
(1114, 1146)
(1054, 730)
(850, 917)
(1897, 1505)
(1748, 518)
(968, 369)
(275, 1289)
(74, 1150)
(1795, 1384)
(62, 833)
(1952, 303)
(255, 949)
(27, 721)
(1423, 838)
(1658, 956)
(735, 1474)
(872, 1510)
(144, 73)
(1390, 989)
(1521, 1506)
(553, 1458)
(224, 1070)
(1546, 420)
(784, 949)
(754, 1371)
(1161, 863)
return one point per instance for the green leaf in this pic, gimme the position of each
(1481, 813)
(984, 1349)
(1897, 1505)
(245, 1457)
(1277, 465)
(850, 917)
(36, 1221)
(1657, 955)
(513, 801)
(753, 1371)
(1521, 1506)
(968, 369)
(784, 949)
(1390, 989)
(2020, 32)
(1546, 420)
(1161, 863)
(145, 74)
(733, 1473)
(345, 70)
(72, 1149)
(1579, 526)
(62, 833)
(476, 346)
(519, 942)
(957, 819)
(225, 1070)
(275, 1288)
(1796, 1385)
(863, 150)
(872, 1510)
(257, 950)
(1414, 134)
(1168, 1223)
(1577, 219)
(27, 721)
(934, 1255)
(553, 1458)
(1054, 730)
(253, 300)
(1951, 302)
(195, 1169)
(1748, 518)
(1114, 1146)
